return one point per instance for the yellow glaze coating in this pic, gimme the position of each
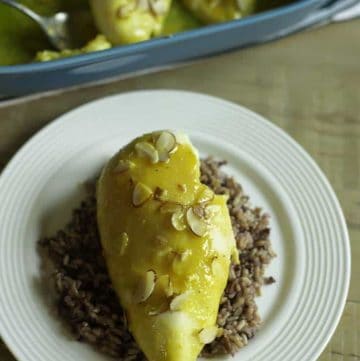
(97, 44)
(213, 11)
(123, 22)
(191, 270)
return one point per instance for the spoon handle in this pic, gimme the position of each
(24, 9)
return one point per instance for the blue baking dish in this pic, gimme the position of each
(30, 78)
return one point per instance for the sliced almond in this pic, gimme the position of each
(123, 166)
(155, 135)
(165, 144)
(197, 225)
(147, 150)
(166, 141)
(177, 220)
(145, 287)
(169, 207)
(199, 210)
(181, 138)
(178, 301)
(124, 241)
(208, 334)
(206, 195)
(211, 210)
(141, 194)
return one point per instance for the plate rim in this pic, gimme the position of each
(319, 173)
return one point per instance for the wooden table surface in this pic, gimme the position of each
(308, 84)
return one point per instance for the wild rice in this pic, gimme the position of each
(88, 304)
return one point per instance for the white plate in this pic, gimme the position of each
(40, 186)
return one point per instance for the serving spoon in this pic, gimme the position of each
(56, 27)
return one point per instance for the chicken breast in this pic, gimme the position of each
(130, 21)
(168, 243)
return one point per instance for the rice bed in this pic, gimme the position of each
(88, 305)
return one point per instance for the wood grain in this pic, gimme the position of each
(308, 84)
